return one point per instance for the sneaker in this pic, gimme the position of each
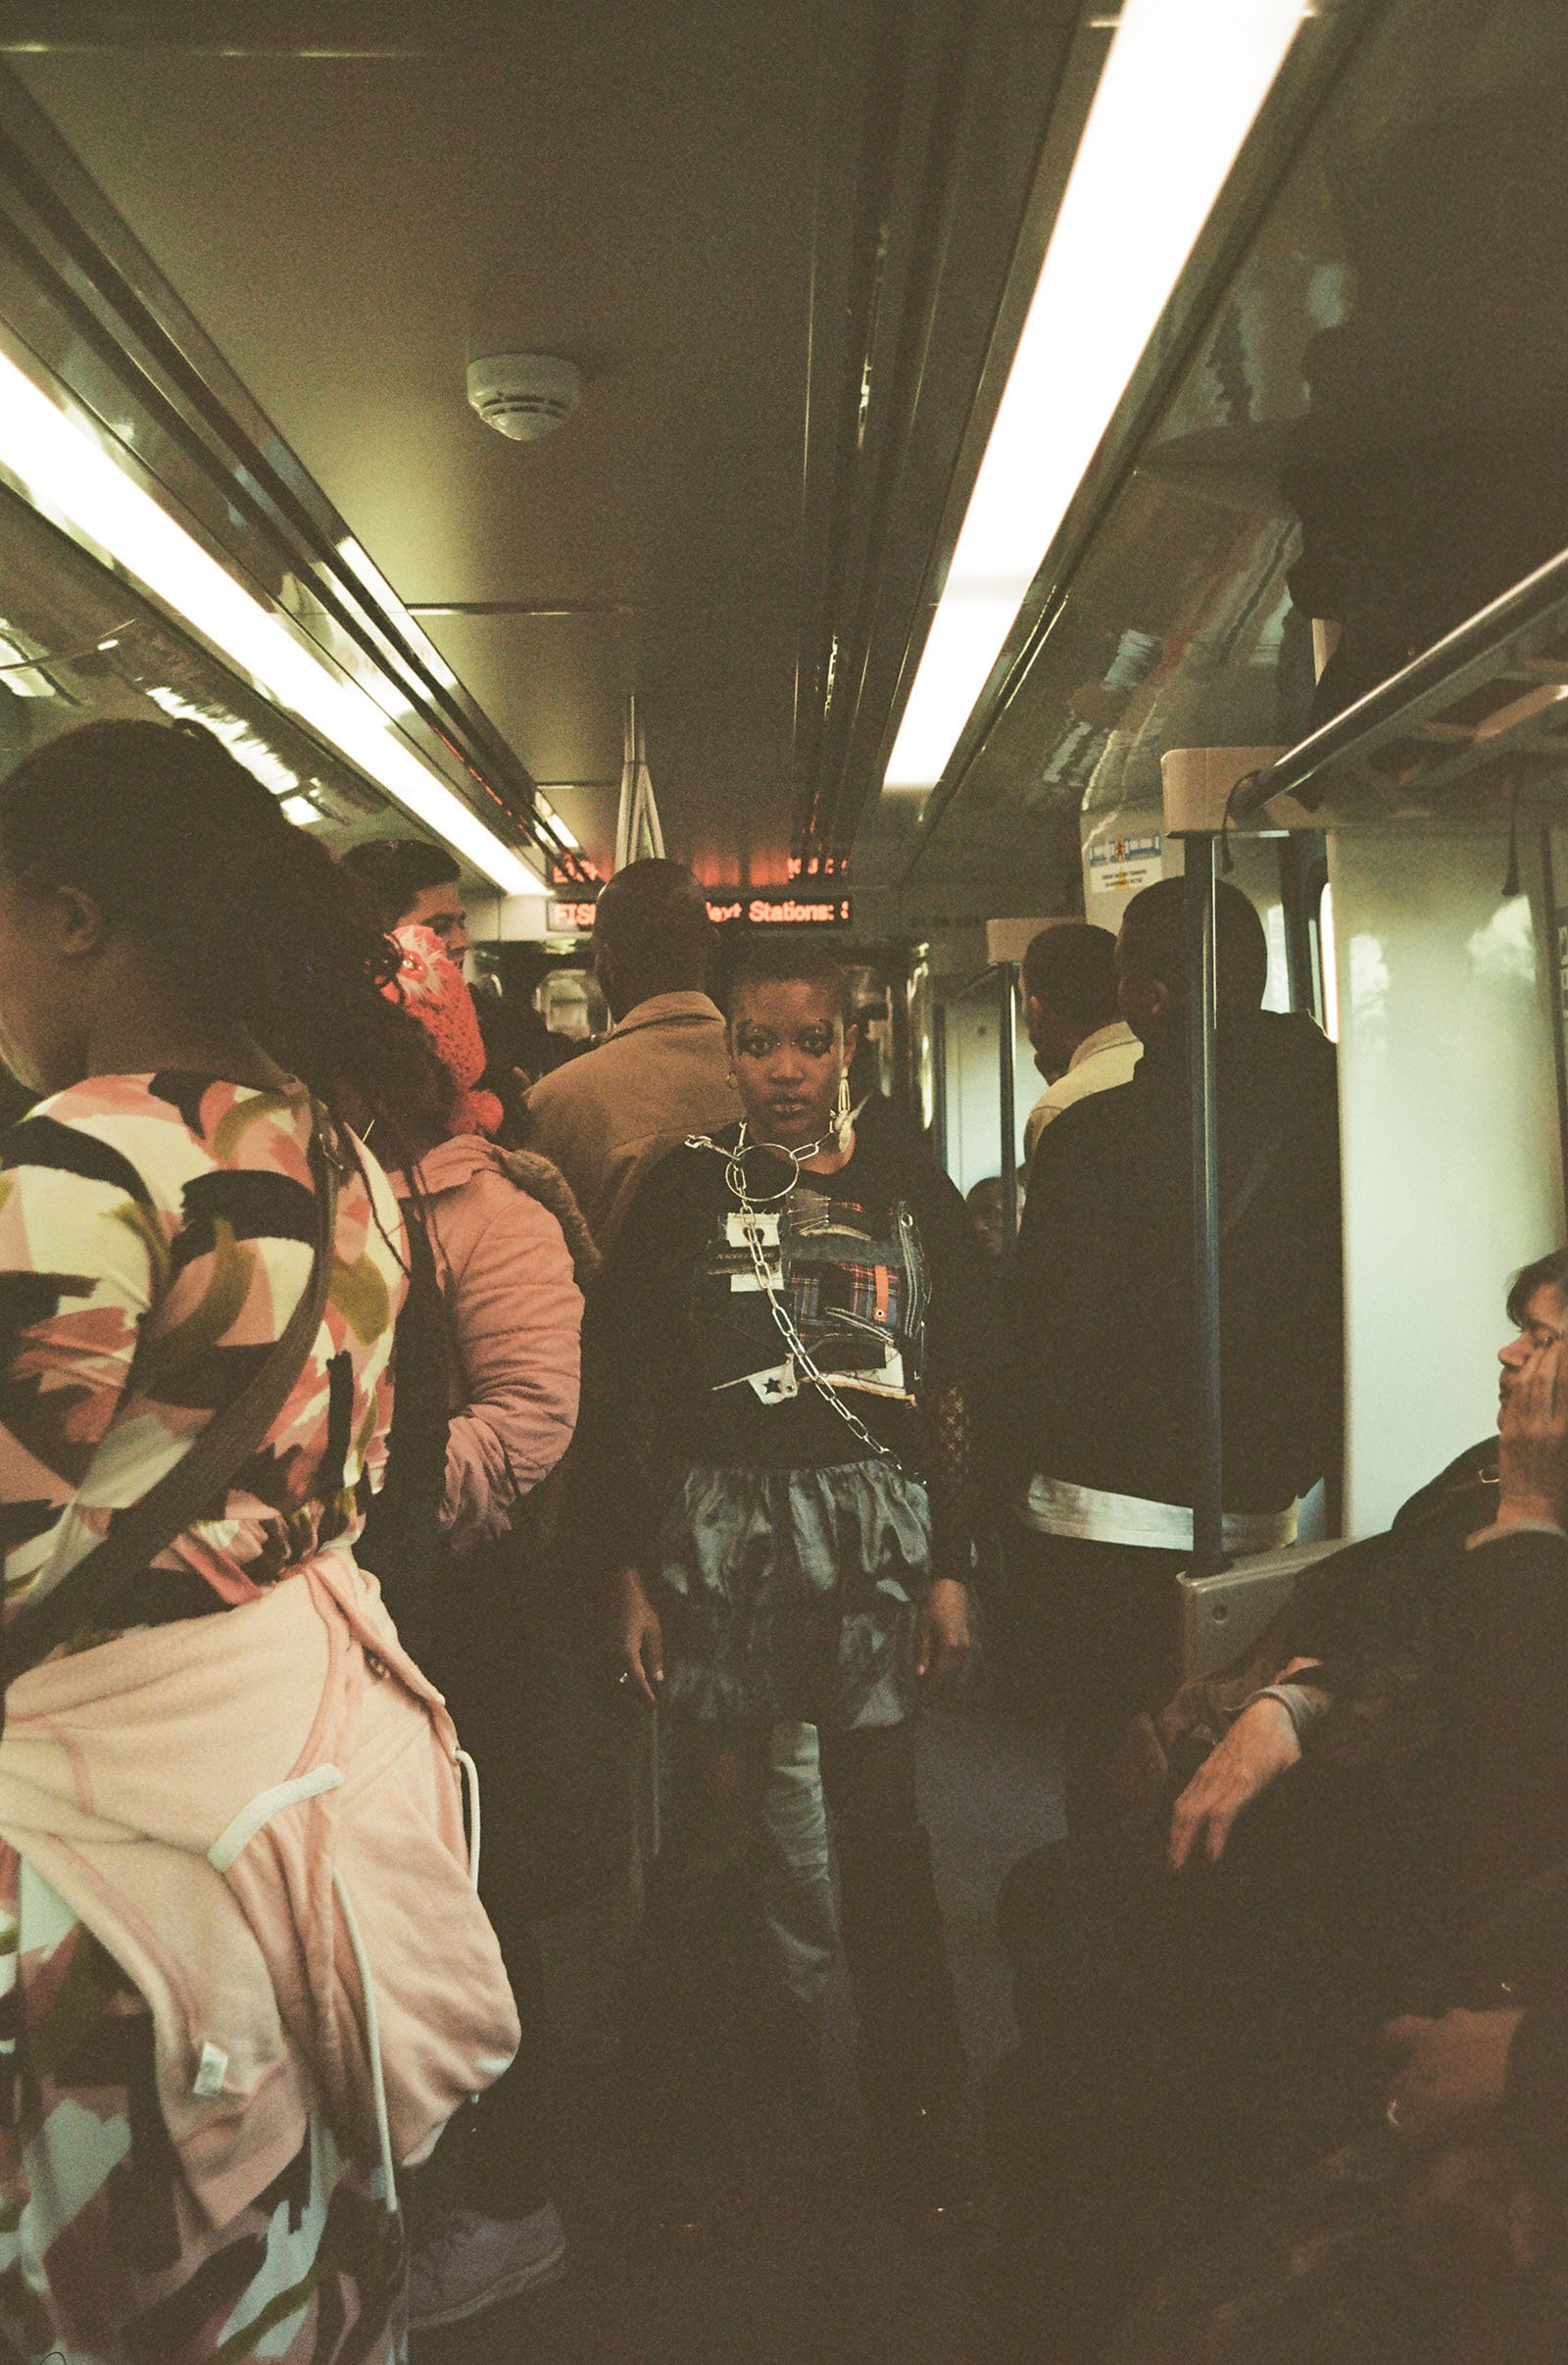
(471, 2262)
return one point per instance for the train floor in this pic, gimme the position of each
(807, 2266)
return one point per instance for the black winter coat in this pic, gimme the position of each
(1105, 1387)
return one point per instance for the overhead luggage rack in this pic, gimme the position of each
(1475, 725)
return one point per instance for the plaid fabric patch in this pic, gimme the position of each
(854, 1282)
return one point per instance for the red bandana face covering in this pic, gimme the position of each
(431, 988)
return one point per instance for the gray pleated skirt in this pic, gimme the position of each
(791, 1596)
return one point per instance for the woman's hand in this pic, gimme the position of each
(1532, 1442)
(1260, 1745)
(638, 1637)
(1451, 2072)
(942, 1633)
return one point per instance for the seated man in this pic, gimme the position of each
(1189, 2033)
(1355, 1654)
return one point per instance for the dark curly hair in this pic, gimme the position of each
(182, 846)
(791, 960)
(1547, 1272)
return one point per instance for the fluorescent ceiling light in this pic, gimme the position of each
(1178, 94)
(375, 583)
(70, 475)
(548, 813)
(242, 742)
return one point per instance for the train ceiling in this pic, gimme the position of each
(788, 241)
(773, 234)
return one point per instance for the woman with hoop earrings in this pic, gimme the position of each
(776, 1442)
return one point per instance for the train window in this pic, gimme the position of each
(1324, 973)
(1277, 992)
(571, 1004)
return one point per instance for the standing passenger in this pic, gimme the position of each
(661, 1073)
(605, 1119)
(413, 884)
(1105, 1378)
(487, 1363)
(229, 1805)
(1082, 1043)
(776, 1421)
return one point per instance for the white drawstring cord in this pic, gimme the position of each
(372, 2039)
(471, 1775)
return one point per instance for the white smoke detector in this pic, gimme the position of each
(524, 395)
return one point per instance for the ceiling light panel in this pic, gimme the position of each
(69, 475)
(1180, 89)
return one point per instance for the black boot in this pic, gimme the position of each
(910, 2047)
(691, 2049)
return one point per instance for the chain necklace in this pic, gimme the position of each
(784, 1321)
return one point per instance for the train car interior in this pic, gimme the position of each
(938, 470)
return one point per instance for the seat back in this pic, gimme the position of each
(1221, 1616)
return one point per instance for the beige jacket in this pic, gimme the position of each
(1101, 1061)
(607, 1117)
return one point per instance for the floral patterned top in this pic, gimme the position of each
(155, 1233)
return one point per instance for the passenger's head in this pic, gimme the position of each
(412, 883)
(141, 868)
(1151, 958)
(1069, 991)
(1538, 1309)
(652, 935)
(984, 1202)
(788, 1041)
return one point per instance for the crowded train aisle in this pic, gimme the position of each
(811, 2266)
(783, 1170)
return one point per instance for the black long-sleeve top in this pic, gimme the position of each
(887, 1284)
(1103, 1374)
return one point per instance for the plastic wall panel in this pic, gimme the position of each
(973, 1086)
(1451, 1140)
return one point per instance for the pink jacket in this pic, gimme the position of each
(506, 1276)
(258, 1815)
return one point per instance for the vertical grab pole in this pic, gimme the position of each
(1007, 1052)
(1203, 1027)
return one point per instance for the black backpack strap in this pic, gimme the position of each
(85, 1595)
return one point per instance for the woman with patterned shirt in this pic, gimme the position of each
(173, 959)
(775, 1406)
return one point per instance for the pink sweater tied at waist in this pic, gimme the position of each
(257, 1814)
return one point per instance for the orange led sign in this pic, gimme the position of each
(727, 908)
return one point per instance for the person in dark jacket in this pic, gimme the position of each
(1389, 1648)
(1199, 1997)
(1103, 1389)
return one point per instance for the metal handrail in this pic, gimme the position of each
(1471, 653)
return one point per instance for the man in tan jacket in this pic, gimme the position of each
(662, 1071)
